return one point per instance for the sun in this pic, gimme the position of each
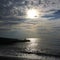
(32, 13)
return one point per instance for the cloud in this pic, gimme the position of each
(53, 16)
(18, 7)
(7, 23)
(11, 7)
(14, 10)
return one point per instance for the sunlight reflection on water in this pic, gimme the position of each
(32, 39)
(33, 44)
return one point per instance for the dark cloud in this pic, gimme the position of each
(14, 7)
(53, 16)
(7, 7)
(10, 21)
(10, 18)
(7, 23)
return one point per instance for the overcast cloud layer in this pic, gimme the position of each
(13, 21)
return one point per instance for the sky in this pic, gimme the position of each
(13, 21)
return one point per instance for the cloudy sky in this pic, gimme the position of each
(13, 21)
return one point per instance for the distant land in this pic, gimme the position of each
(11, 40)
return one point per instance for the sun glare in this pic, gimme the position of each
(32, 13)
(33, 39)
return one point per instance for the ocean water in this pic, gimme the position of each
(29, 50)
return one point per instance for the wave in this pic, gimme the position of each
(41, 54)
(19, 50)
